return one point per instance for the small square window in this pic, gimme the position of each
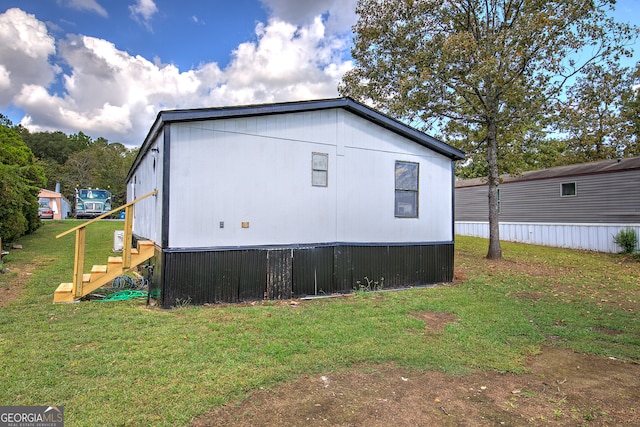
(568, 189)
(319, 169)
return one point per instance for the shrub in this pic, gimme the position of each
(627, 240)
(21, 178)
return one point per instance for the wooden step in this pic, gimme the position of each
(86, 278)
(98, 269)
(65, 287)
(115, 260)
(146, 250)
(64, 293)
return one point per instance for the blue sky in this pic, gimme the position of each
(184, 32)
(106, 67)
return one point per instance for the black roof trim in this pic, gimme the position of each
(172, 116)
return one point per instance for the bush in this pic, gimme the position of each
(627, 240)
(21, 178)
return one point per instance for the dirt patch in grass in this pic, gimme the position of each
(17, 279)
(563, 388)
(607, 331)
(459, 275)
(435, 320)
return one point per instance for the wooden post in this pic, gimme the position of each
(78, 264)
(128, 231)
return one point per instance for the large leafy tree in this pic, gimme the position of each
(53, 150)
(631, 113)
(54, 146)
(525, 146)
(493, 67)
(591, 117)
(20, 181)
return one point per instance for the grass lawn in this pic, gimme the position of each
(123, 363)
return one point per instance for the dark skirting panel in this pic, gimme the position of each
(214, 276)
(155, 284)
(279, 269)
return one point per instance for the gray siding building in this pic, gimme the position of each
(578, 206)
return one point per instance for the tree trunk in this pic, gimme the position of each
(495, 251)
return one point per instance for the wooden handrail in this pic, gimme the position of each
(84, 224)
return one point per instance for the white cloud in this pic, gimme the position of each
(52, 112)
(142, 11)
(286, 63)
(107, 94)
(341, 14)
(90, 5)
(25, 46)
(111, 93)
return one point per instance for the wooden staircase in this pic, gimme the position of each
(85, 283)
(103, 274)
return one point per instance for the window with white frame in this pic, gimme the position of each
(568, 189)
(319, 169)
(406, 197)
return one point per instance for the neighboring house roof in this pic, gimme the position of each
(348, 104)
(49, 194)
(603, 166)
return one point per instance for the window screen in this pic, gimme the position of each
(406, 204)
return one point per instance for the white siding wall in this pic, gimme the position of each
(147, 220)
(367, 193)
(255, 170)
(258, 170)
(593, 237)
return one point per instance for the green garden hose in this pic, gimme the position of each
(125, 295)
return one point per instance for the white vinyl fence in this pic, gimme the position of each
(593, 237)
